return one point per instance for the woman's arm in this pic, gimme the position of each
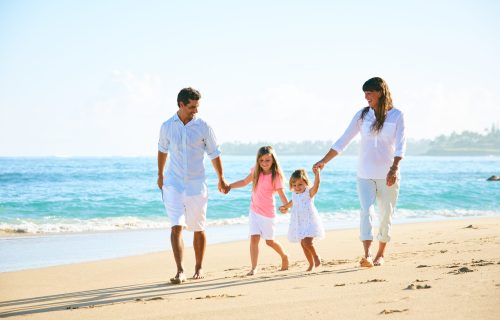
(342, 143)
(329, 156)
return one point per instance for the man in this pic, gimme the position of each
(184, 189)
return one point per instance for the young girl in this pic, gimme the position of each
(305, 223)
(267, 179)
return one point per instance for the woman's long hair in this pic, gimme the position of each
(384, 103)
(275, 168)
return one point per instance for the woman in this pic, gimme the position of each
(383, 144)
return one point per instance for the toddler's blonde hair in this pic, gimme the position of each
(299, 174)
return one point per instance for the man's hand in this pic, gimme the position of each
(223, 186)
(160, 182)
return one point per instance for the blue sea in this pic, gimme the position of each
(65, 210)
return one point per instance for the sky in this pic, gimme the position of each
(98, 78)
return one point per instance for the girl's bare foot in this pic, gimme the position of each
(252, 272)
(284, 263)
(317, 261)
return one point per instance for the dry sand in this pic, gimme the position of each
(437, 270)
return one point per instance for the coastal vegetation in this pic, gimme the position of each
(466, 143)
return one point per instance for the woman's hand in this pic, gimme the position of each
(318, 165)
(392, 175)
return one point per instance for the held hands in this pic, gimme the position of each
(391, 176)
(223, 186)
(317, 169)
(318, 165)
(283, 209)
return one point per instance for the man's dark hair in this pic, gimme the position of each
(187, 94)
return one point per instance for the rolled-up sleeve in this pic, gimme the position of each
(349, 134)
(211, 147)
(400, 141)
(163, 142)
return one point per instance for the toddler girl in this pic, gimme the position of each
(305, 223)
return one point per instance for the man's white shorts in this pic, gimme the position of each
(190, 212)
(260, 225)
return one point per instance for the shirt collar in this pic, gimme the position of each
(177, 119)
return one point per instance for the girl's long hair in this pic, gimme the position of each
(384, 103)
(275, 168)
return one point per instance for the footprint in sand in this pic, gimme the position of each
(423, 266)
(481, 263)
(224, 295)
(418, 286)
(334, 262)
(389, 311)
(461, 270)
(470, 226)
(153, 299)
(374, 280)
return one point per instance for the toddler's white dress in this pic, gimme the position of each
(304, 218)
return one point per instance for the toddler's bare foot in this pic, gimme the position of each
(317, 261)
(252, 272)
(284, 263)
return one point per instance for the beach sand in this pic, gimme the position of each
(436, 270)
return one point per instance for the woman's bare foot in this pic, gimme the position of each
(366, 262)
(317, 261)
(310, 268)
(284, 263)
(378, 261)
(252, 272)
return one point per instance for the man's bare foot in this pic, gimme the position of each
(198, 274)
(252, 272)
(284, 263)
(179, 278)
(317, 261)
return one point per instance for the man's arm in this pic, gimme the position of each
(223, 186)
(162, 160)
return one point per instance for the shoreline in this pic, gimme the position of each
(26, 252)
(434, 269)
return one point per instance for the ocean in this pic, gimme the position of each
(61, 210)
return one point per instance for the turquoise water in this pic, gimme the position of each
(54, 195)
(84, 209)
